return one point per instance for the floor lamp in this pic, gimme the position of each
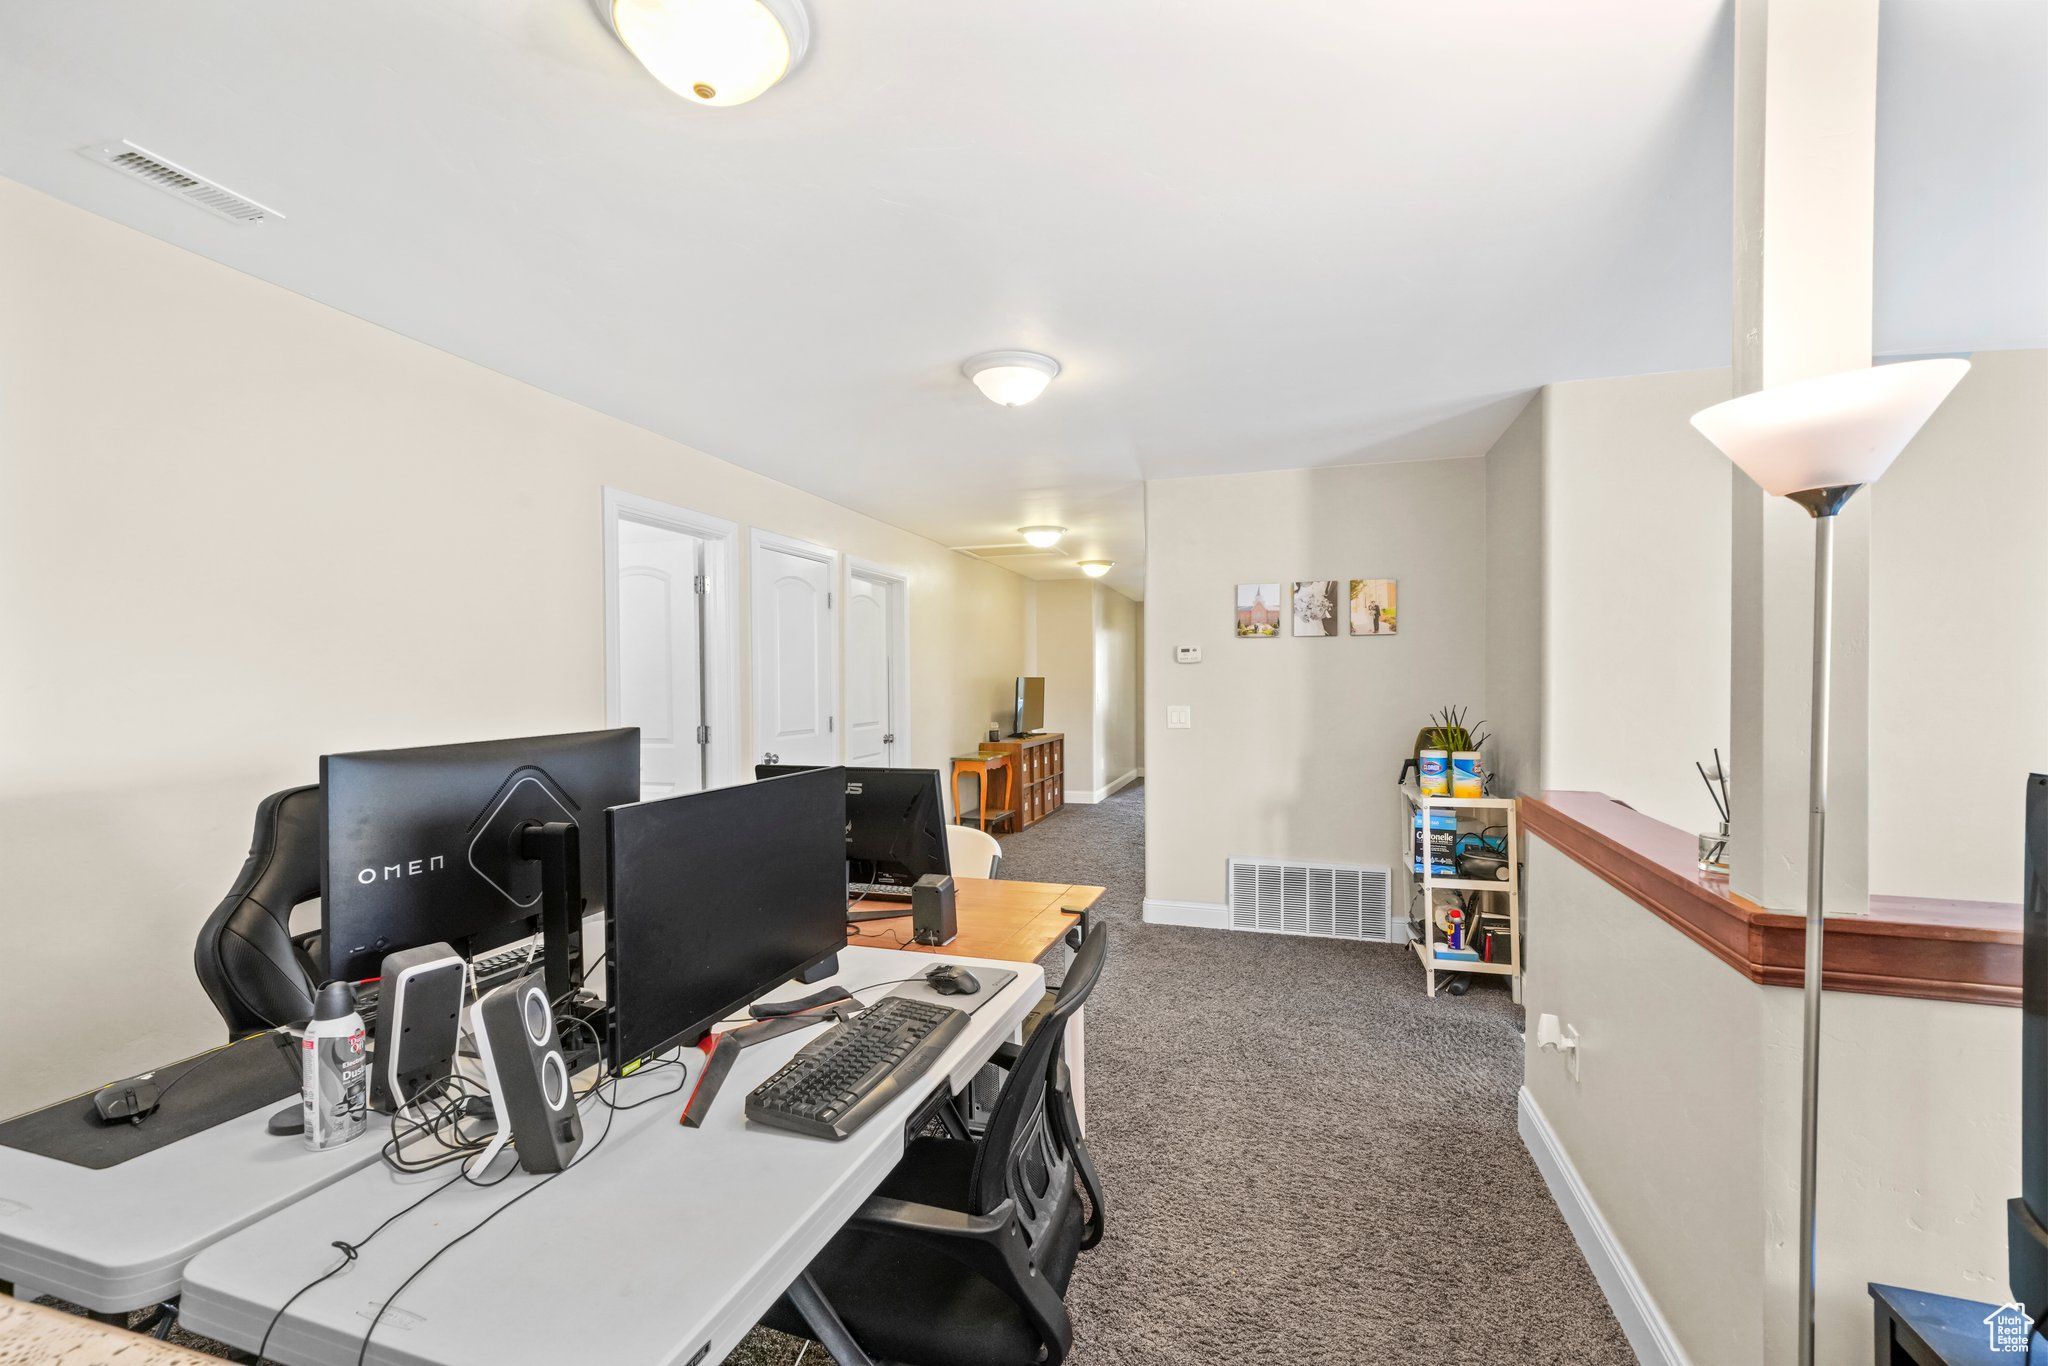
(1817, 442)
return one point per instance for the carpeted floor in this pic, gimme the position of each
(1306, 1160)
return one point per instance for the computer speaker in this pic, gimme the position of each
(528, 1076)
(419, 1024)
(932, 916)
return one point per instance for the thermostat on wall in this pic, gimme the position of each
(1187, 654)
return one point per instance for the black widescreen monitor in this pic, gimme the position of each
(895, 823)
(715, 898)
(2027, 1216)
(419, 844)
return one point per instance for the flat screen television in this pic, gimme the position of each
(1029, 714)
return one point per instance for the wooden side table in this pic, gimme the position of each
(983, 766)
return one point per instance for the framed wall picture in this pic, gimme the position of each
(1372, 607)
(1315, 607)
(1258, 610)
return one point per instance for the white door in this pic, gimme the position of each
(795, 653)
(870, 666)
(661, 655)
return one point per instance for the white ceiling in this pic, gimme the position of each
(1256, 236)
(1962, 176)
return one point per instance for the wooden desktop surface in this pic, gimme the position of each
(1010, 921)
(36, 1333)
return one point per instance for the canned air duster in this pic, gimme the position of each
(334, 1085)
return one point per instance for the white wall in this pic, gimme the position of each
(1065, 635)
(1636, 591)
(238, 530)
(1959, 637)
(1297, 741)
(1664, 1124)
(1684, 1126)
(1514, 601)
(1119, 633)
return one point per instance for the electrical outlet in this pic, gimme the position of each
(1180, 718)
(1561, 1039)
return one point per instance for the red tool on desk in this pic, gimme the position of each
(720, 1050)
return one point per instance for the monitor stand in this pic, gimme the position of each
(557, 846)
(818, 972)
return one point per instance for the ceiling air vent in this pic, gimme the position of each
(172, 178)
(1019, 551)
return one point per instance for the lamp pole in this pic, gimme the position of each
(1817, 441)
(1824, 504)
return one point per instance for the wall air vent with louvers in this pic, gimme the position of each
(173, 179)
(1330, 900)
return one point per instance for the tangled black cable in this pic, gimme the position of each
(349, 1252)
(363, 1352)
(436, 1113)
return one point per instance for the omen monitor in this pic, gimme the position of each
(895, 823)
(424, 845)
(715, 898)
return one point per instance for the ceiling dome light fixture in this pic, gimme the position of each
(1011, 378)
(1095, 569)
(717, 52)
(1044, 537)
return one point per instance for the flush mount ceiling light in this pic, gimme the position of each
(718, 52)
(1044, 537)
(1011, 378)
(1095, 569)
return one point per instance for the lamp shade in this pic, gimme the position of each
(1011, 378)
(1831, 431)
(718, 52)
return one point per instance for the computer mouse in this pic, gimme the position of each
(949, 979)
(133, 1100)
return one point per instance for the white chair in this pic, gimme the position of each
(973, 853)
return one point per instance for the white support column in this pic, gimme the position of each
(1805, 157)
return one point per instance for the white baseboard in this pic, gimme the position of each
(1199, 915)
(1647, 1332)
(1087, 797)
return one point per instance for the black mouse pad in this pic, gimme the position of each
(223, 1085)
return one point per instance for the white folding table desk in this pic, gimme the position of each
(119, 1238)
(660, 1246)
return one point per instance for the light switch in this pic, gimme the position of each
(1180, 718)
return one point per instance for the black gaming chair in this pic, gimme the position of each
(257, 975)
(964, 1253)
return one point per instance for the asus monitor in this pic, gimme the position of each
(895, 823)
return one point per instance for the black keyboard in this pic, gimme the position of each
(836, 1081)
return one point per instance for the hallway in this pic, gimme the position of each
(1384, 1209)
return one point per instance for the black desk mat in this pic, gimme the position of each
(224, 1084)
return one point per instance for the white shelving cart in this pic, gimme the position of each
(1473, 815)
